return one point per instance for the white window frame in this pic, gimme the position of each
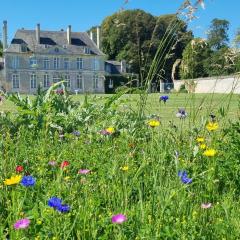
(56, 62)
(95, 81)
(79, 63)
(96, 64)
(46, 63)
(15, 79)
(15, 62)
(46, 81)
(68, 80)
(80, 83)
(33, 81)
(56, 78)
(66, 63)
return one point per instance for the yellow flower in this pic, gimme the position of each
(203, 146)
(13, 180)
(124, 168)
(200, 139)
(110, 130)
(39, 222)
(210, 153)
(211, 126)
(153, 123)
(67, 178)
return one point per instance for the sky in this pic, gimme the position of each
(83, 14)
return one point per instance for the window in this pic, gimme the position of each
(110, 83)
(15, 81)
(68, 82)
(56, 79)
(95, 81)
(46, 81)
(15, 62)
(33, 62)
(23, 48)
(96, 65)
(56, 63)
(79, 81)
(86, 50)
(56, 50)
(66, 63)
(46, 63)
(33, 81)
(79, 63)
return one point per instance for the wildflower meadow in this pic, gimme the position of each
(99, 170)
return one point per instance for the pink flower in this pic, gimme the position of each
(22, 223)
(119, 218)
(52, 163)
(84, 171)
(206, 205)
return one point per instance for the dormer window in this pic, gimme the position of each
(86, 50)
(56, 50)
(65, 46)
(23, 48)
(46, 46)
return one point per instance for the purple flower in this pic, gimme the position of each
(22, 223)
(63, 208)
(184, 178)
(119, 218)
(181, 113)
(54, 202)
(104, 132)
(28, 181)
(76, 133)
(52, 163)
(163, 98)
(84, 171)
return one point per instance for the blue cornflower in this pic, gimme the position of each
(184, 178)
(76, 133)
(163, 98)
(181, 113)
(54, 202)
(28, 181)
(63, 208)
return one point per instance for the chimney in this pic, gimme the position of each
(91, 35)
(5, 35)
(98, 37)
(69, 34)
(38, 33)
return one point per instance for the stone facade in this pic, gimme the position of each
(44, 57)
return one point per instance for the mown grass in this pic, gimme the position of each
(202, 103)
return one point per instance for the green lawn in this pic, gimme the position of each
(198, 104)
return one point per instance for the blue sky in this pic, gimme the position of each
(82, 14)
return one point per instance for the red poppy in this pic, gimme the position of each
(19, 168)
(64, 164)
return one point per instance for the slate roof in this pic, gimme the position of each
(53, 39)
(113, 67)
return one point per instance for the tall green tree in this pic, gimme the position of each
(135, 36)
(218, 33)
(193, 63)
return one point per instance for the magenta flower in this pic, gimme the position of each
(119, 218)
(22, 223)
(84, 171)
(206, 205)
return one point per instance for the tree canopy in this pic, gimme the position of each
(218, 33)
(135, 36)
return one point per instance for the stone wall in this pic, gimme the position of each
(224, 84)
